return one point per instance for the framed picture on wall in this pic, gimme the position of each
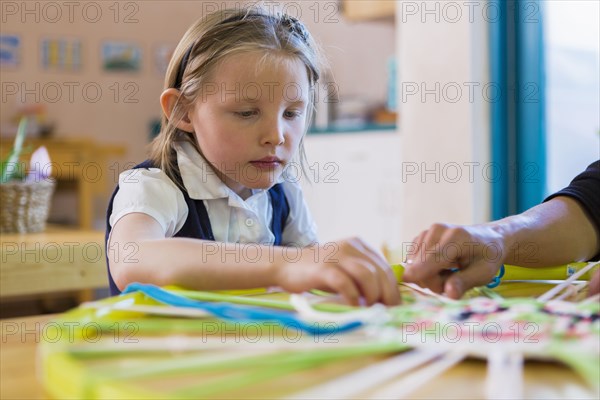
(162, 57)
(10, 48)
(121, 56)
(61, 54)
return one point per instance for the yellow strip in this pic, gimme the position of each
(515, 273)
(238, 292)
(547, 273)
(398, 270)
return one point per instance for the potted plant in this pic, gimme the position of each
(25, 193)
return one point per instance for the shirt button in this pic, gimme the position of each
(249, 222)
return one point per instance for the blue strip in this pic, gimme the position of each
(239, 313)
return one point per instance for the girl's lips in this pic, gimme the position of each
(266, 162)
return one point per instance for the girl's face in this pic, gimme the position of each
(250, 118)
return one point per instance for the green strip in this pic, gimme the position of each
(202, 361)
(246, 379)
(585, 364)
(282, 364)
(253, 301)
(487, 292)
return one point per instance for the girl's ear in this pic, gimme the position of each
(168, 99)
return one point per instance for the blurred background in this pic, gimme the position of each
(94, 71)
(431, 111)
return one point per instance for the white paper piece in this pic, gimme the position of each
(403, 387)
(504, 375)
(350, 385)
(557, 289)
(376, 314)
(40, 167)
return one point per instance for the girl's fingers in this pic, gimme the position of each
(385, 279)
(390, 295)
(339, 282)
(365, 277)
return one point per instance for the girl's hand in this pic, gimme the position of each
(476, 251)
(349, 267)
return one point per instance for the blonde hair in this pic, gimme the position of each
(205, 44)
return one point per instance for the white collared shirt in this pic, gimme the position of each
(234, 220)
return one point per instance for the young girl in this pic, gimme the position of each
(211, 209)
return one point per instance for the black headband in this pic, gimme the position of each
(182, 66)
(291, 23)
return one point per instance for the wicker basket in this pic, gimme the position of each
(24, 206)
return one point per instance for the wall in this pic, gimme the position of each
(354, 188)
(433, 48)
(117, 107)
(129, 101)
(444, 126)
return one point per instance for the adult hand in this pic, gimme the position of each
(451, 259)
(594, 287)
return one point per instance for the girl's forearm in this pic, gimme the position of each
(552, 233)
(200, 264)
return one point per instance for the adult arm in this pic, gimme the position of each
(563, 229)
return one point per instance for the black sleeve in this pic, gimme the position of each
(585, 188)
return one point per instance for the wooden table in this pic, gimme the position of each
(17, 358)
(57, 260)
(465, 381)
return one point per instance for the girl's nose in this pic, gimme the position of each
(274, 134)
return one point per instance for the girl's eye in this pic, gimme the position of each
(292, 114)
(246, 114)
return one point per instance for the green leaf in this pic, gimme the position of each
(10, 167)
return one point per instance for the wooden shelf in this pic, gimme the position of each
(82, 161)
(364, 10)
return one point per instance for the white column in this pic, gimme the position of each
(444, 98)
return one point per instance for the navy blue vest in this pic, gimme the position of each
(197, 224)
